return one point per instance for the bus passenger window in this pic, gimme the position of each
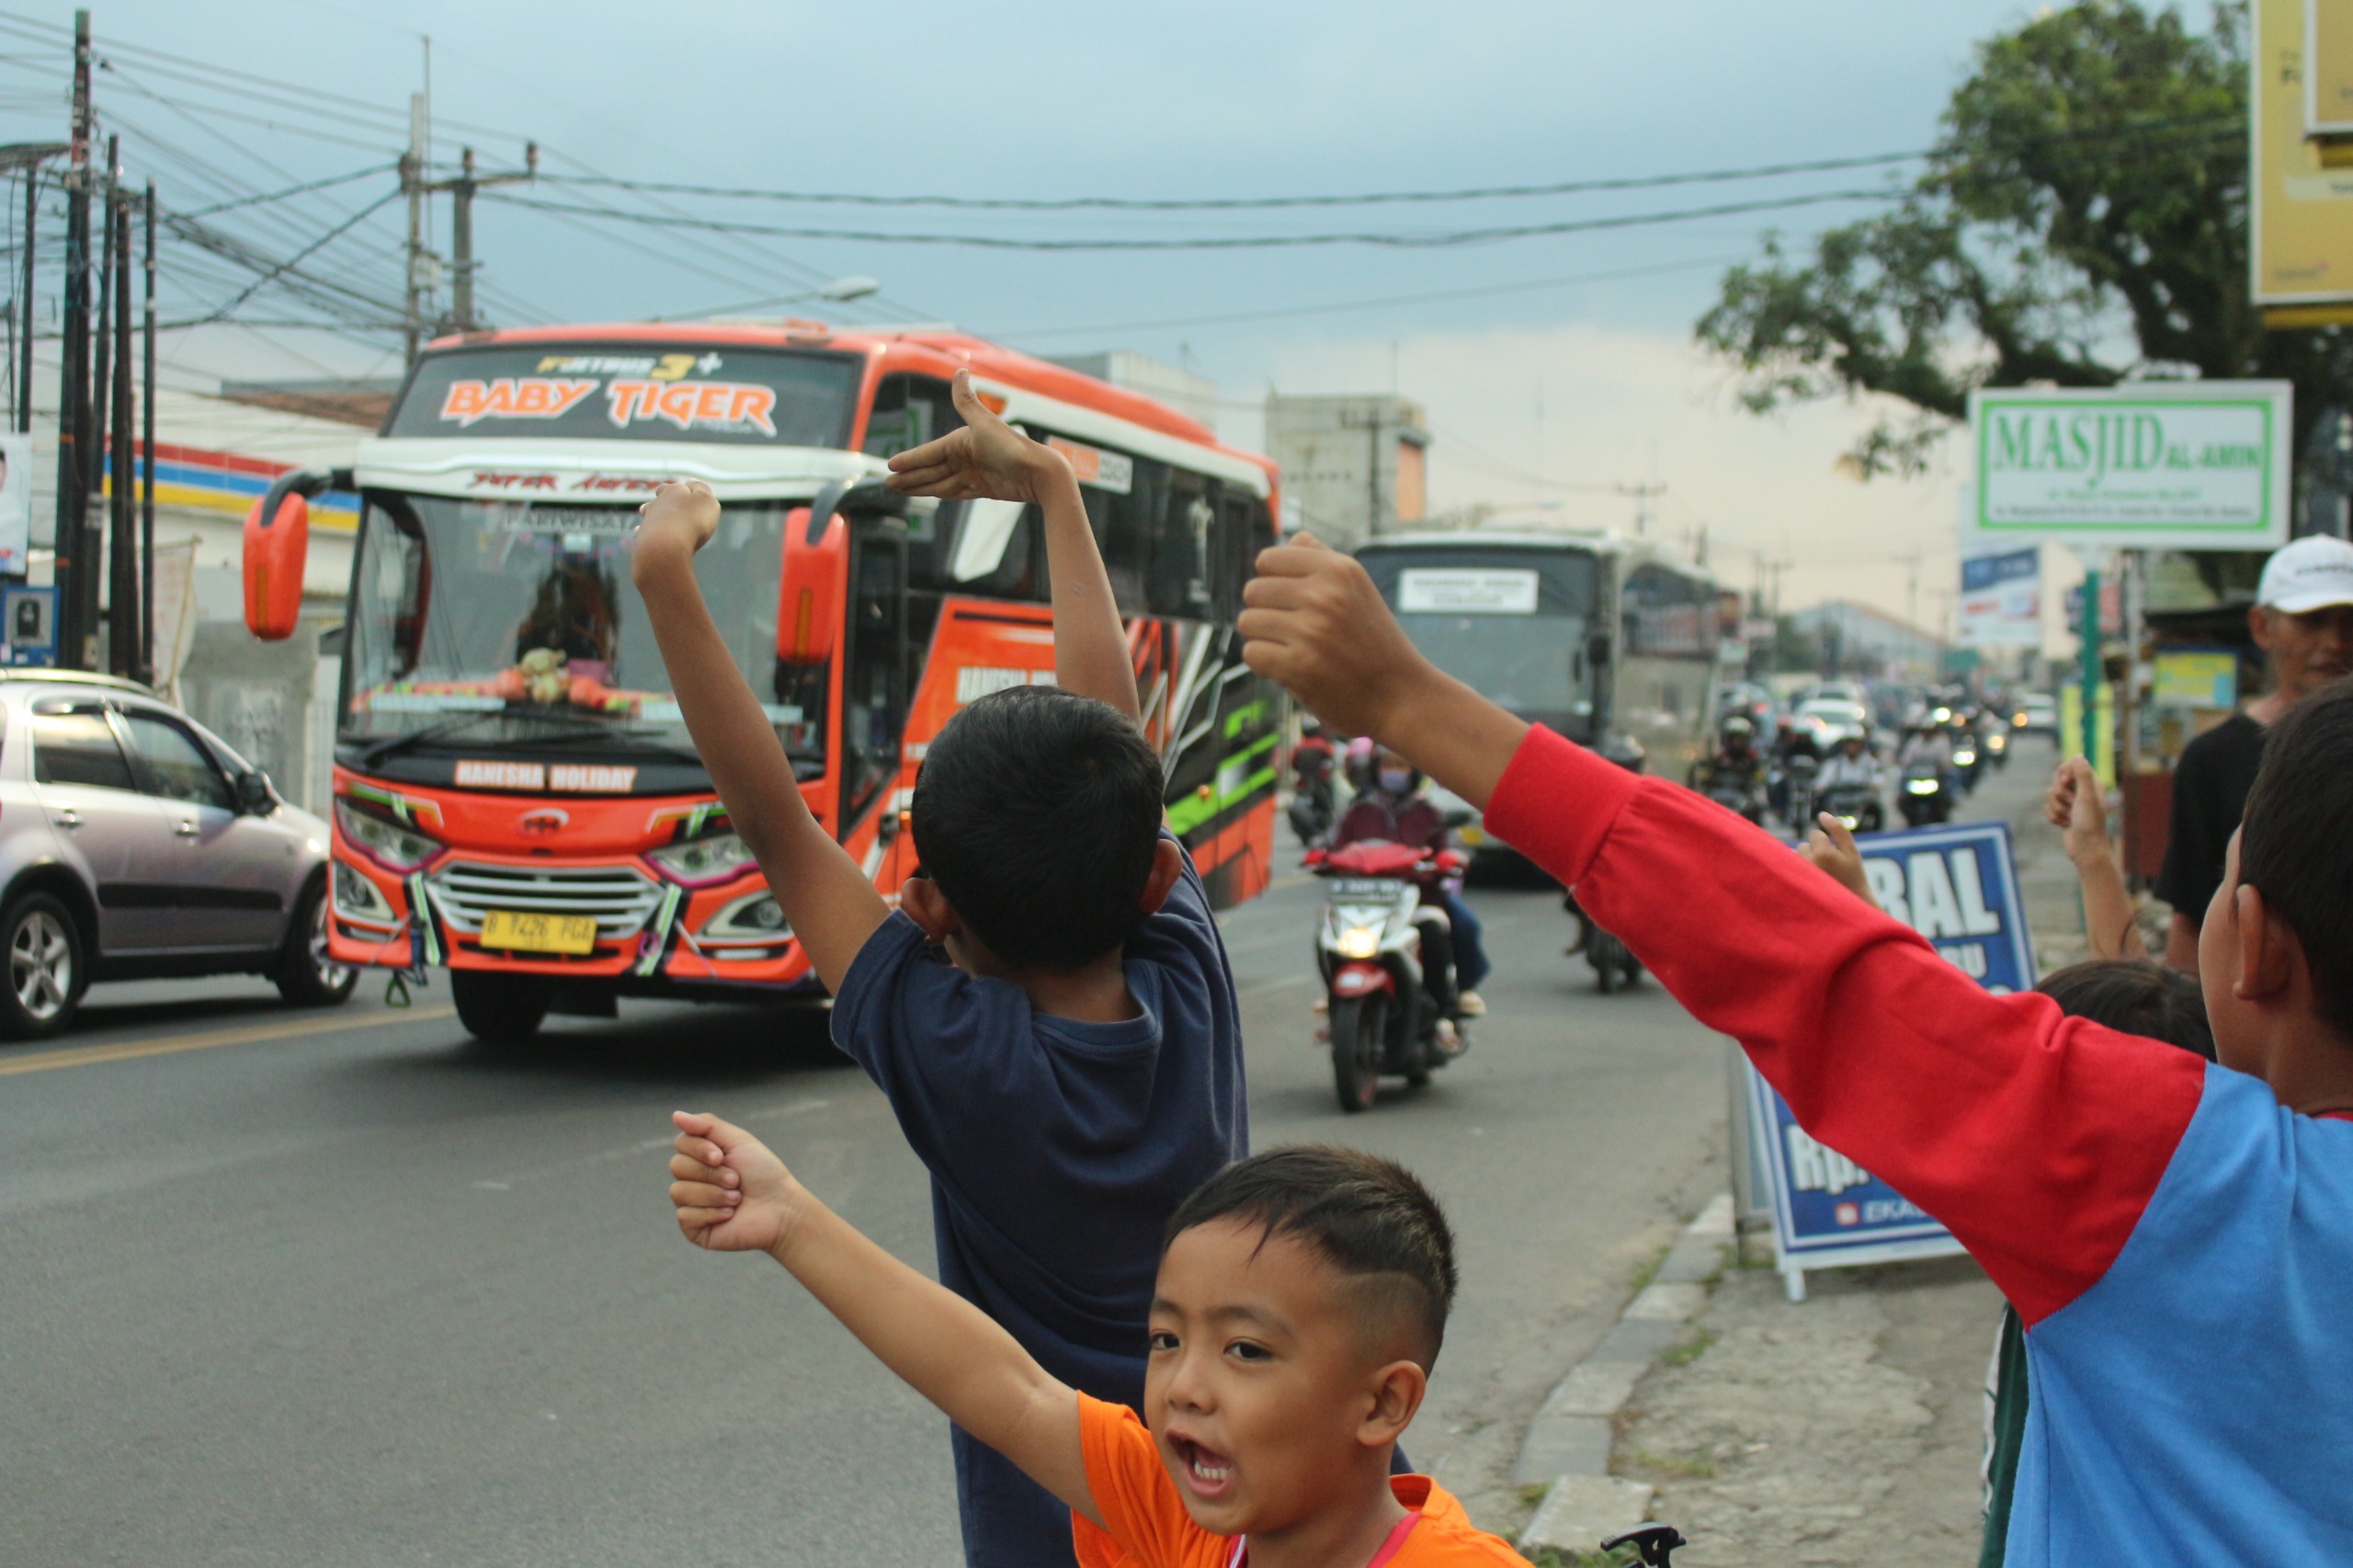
(1183, 553)
(992, 548)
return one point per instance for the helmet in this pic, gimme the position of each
(1738, 728)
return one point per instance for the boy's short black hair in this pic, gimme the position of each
(1038, 813)
(2135, 996)
(1367, 1217)
(2296, 840)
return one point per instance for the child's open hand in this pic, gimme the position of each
(1831, 847)
(986, 460)
(678, 521)
(2076, 806)
(732, 1194)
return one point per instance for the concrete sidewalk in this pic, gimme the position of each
(1846, 1430)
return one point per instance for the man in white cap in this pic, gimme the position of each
(2302, 619)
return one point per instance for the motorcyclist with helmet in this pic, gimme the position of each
(1737, 770)
(1851, 766)
(1394, 810)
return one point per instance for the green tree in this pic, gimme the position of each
(2083, 220)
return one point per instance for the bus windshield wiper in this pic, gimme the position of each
(565, 727)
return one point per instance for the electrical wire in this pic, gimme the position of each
(1282, 313)
(1475, 193)
(1431, 241)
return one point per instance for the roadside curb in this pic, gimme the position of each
(1567, 1446)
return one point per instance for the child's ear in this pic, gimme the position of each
(2269, 953)
(922, 901)
(1168, 865)
(1397, 1390)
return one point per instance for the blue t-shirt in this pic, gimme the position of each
(1057, 1150)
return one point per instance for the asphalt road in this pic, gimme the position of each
(310, 1289)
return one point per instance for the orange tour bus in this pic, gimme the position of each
(516, 801)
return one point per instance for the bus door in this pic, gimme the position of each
(874, 679)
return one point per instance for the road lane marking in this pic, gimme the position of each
(131, 1050)
(644, 1146)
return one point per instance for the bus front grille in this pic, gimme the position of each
(619, 898)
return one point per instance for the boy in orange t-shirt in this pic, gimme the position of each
(1301, 1299)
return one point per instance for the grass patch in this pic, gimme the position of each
(1647, 1270)
(1696, 1465)
(1532, 1496)
(1689, 1350)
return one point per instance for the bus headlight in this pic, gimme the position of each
(701, 861)
(356, 896)
(756, 917)
(391, 845)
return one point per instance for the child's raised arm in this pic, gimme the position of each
(2075, 807)
(827, 900)
(989, 459)
(733, 1195)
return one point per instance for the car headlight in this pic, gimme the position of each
(700, 861)
(391, 845)
(1360, 941)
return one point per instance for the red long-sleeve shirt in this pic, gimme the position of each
(2037, 1139)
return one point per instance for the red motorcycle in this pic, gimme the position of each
(1384, 949)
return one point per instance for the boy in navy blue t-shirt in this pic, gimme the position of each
(1073, 1068)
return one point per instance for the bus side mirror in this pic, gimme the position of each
(1597, 649)
(809, 599)
(276, 547)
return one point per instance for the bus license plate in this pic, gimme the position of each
(517, 931)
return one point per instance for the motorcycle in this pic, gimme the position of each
(1797, 785)
(1614, 964)
(1381, 948)
(1997, 745)
(1925, 795)
(1857, 805)
(1734, 793)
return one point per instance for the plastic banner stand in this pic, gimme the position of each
(1956, 886)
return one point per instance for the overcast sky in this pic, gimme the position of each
(1581, 384)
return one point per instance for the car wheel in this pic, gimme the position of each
(501, 1008)
(46, 976)
(308, 975)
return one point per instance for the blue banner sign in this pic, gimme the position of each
(1956, 886)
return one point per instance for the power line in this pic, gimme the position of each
(1431, 241)
(1283, 312)
(295, 190)
(1367, 198)
(1236, 203)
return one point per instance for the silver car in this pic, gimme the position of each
(134, 845)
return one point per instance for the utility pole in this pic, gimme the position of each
(98, 494)
(1644, 494)
(25, 296)
(147, 670)
(462, 191)
(123, 552)
(422, 263)
(73, 415)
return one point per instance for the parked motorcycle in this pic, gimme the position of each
(1382, 948)
(1925, 795)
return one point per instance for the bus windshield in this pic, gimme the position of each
(482, 623)
(1510, 623)
(636, 392)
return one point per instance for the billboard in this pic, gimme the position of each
(1955, 885)
(2300, 212)
(2001, 599)
(2328, 68)
(2180, 465)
